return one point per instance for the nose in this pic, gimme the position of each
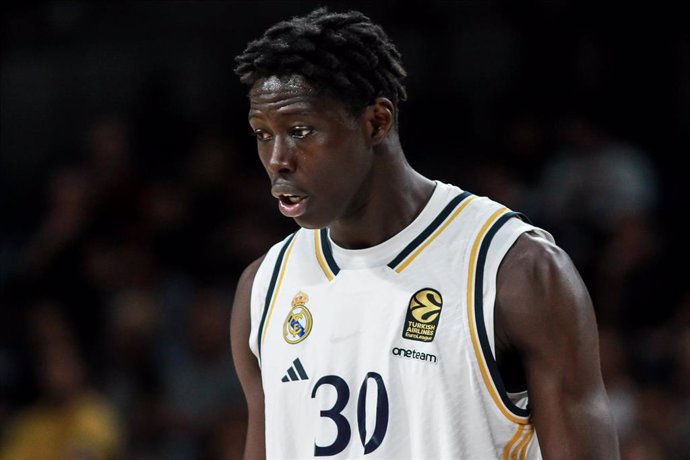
(281, 158)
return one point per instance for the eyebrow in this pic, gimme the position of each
(286, 112)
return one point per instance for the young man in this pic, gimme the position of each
(407, 318)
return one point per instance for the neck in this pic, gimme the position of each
(389, 202)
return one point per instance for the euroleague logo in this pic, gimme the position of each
(298, 323)
(423, 314)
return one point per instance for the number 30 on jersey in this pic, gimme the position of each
(344, 431)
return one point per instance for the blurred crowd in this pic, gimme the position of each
(116, 284)
(116, 319)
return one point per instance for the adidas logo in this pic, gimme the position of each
(295, 372)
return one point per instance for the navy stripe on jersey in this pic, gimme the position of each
(328, 252)
(479, 315)
(429, 230)
(523, 217)
(300, 370)
(272, 286)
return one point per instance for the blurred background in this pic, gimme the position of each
(132, 197)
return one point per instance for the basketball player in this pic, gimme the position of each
(407, 318)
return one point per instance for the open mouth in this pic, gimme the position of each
(292, 205)
(288, 199)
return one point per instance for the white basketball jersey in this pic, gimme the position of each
(388, 352)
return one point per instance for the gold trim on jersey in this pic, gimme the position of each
(277, 288)
(521, 450)
(483, 366)
(320, 256)
(516, 448)
(408, 260)
(509, 445)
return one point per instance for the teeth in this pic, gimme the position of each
(292, 199)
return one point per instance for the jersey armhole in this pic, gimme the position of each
(501, 243)
(493, 242)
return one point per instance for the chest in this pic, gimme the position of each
(367, 319)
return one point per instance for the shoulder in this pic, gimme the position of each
(248, 275)
(534, 258)
(255, 279)
(535, 264)
(539, 291)
(241, 316)
(259, 271)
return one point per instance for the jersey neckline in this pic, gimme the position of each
(383, 253)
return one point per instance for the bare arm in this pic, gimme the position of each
(246, 365)
(544, 313)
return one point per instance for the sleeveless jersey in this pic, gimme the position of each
(388, 351)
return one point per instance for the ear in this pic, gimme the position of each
(380, 119)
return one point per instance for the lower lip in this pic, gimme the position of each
(293, 210)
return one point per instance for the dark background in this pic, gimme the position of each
(131, 197)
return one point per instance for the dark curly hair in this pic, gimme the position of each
(344, 54)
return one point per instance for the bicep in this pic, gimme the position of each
(546, 314)
(246, 365)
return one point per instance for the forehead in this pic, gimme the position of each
(288, 84)
(290, 92)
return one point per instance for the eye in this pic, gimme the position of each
(261, 135)
(300, 132)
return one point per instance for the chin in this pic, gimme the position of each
(310, 223)
(307, 225)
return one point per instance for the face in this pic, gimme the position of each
(318, 155)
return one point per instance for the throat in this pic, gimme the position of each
(383, 215)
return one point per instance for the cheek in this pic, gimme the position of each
(349, 151)
(355, 160)
(264, 154)
(342, 171)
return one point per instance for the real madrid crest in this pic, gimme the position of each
(297, 325)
